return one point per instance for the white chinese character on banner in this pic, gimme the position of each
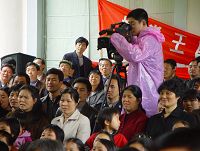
(125, 19)
(179, 42)
(155, 26)
(197, 53)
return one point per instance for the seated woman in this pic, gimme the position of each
(170, 91)
(73, 123)
(134, 119)
(30, 112)
(97, 93)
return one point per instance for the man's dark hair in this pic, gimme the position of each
(116, 77)
(8, 137)
(106, 114)
(190, 94)
(33, 64)
(171, 62)
(12, 67)
(105, 59)
(42, 60)
(139, 14)
(84, 81)
(57, 72)
(22, 74)
(57, 130)
(73, 93)
(81, 40)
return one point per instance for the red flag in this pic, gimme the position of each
(179, 45)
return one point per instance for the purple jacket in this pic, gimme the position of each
(145, 57)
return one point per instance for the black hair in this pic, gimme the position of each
(110, 146)
(33, 64)
(128, 149)
(106, 114)
(100, 86)
(139, 14)
(42, 60)
(190, 94)
(44, 145)
(22, 74)
(179, 138)
(78, 142)
(57, 72)
(171, 62)
(9, 139)
(142, 139)
(81, 40)
(116, 77)
(14, 125)
(6, 90)
(11, 66)
(137, 92)
(105, 59)
(111, 136)
(33, 91)
(185, 123)
(84, 81)
(73, 93)
(172, 85)
(3, 146)
(16, 88)
(57, 130)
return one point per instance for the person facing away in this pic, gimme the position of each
(82, 64)
(145, 57)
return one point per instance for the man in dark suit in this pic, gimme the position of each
(82, 64)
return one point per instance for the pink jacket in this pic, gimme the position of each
(145, 59)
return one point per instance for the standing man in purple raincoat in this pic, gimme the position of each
(145, 57)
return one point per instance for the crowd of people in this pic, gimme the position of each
(68, 108)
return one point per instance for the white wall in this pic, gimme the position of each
(11, 26)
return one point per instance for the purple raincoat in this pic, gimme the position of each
(145, 57)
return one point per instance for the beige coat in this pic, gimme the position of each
(77, 125)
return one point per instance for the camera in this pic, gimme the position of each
(104, 42)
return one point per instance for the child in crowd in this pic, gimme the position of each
(74, 144)
(53, 132)
(12, 127)
(108, 119)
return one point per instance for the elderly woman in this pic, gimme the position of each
(73, 123)
(134, 119)
(30, 112)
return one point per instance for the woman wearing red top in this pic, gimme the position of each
(134, 119)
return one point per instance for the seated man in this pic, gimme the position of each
(113, 95)
(6, 73)
(105, 67)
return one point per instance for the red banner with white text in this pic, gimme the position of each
(179, 45)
